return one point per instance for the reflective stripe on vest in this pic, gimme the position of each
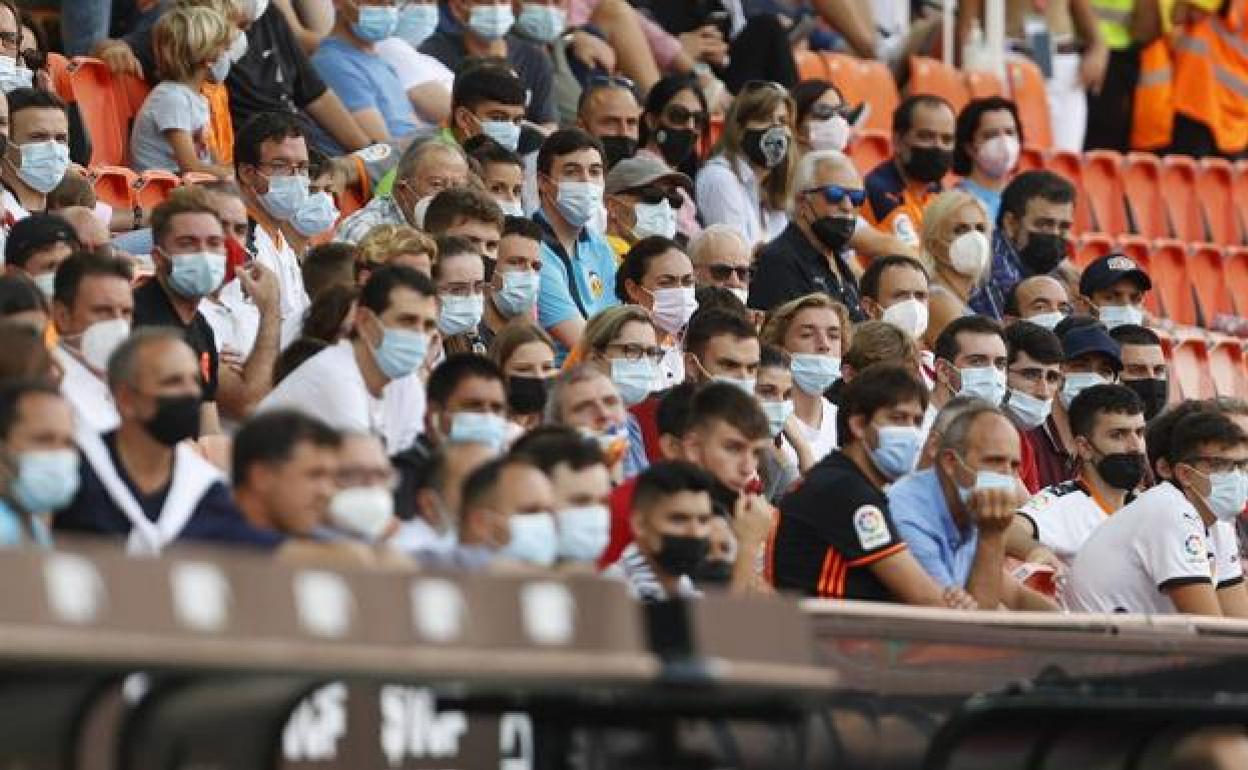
(1211, 77)
(1152, 109)
(1114, 20)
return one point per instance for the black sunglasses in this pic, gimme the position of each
(655, 195)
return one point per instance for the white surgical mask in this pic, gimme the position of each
(778, 413)
(998, 155)
(983, 382)
(1047, 320)
(654, 219)
(673, 307)
(363, 511)
(910, 315)
(460, 314)
(583, 532)
(1076, 383)
(1114, 316)
(1028, 411)
(829, 134)
(969, 253)
(534, 538)
(101, 339)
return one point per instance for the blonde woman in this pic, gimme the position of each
(622, 343)
(814, 330)
(957, 253)
(394, 244)
(746, 183)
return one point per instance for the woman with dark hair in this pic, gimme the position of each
(985, 152)
(673, 123)
(821, 123)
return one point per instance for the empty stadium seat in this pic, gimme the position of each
(1216, 195)
(1028, 89)
(1102, 185)
(1070, 165)
(1141, 179)
(1206, 268)
(1168, 269)
(1091, 247)
(1140, 250)
(1031, 158)
(1236, 273)
(1226, 366)
(1190, 368)
(931, 76)
(114, 185)
(92, 84)
(981, 85)
(810, 66)
(865, 81)
(869, 149)
(153, 187)
(1178, 181)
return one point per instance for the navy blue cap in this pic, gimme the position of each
(1109, 270)
(1093, 338)
(36, 232)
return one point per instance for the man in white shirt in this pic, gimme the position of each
(91, 310)
(38, 154)
(1173, 549)
(368, 383)
(1107, 422)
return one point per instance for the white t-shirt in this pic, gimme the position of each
(1155, 542)
(329, 386)
(1064, 516)
(87, 393)
(281, 259)
(821, 437)
(170, 106)
(12, 214)
(235, 322)
(414, 69)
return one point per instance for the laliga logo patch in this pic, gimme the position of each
(1194, 547)
(870, 527)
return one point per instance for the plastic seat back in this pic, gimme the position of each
(810, 66)
(1178, 180)
(1240, 186)
(1168, 269)
(92, 83)
(58, 71)
(1028, 89)
(931, 76)
(1091, 247)
(1102, 185)
(1030, 158)
(114, 185)
(1140, 250)
(1226, 366)
(1206, 268)
(869, 82)
(869, 149)
(981, 85)
(1141, 179)
(1215, 193)
(1070, 165)
(1191, 367)
(153, 187)
(1236, 274)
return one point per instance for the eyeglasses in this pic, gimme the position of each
(724, 272)
(823, 111)
(283, 168)
(633, 352)
(834, 194)
(679, 115)
(1035, 376)
(655, 195)
(1221, 464)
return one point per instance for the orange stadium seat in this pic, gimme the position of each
(1206, 268)
(865, 81)
(58, 71)
(1215, 192)
(1070, 165)
(1239, 184)
(931, 76)
(1226, 366)
(1102, 185)
(153, 187)
(1168, 268)
(869, 149)
(197, 177)
(1140, 249)
(92, 83)
(1141, 179)
(1178, 180)
(810, 66)
(981, 85)
(1236, 273)
(1027, 86)
(1191, 366)
(114, 185)
(1091, 247)
(130, 92)
(1031, 158)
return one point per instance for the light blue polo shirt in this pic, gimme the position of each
(14, 535)
(365, 81)
(924, 521)
(577, 285)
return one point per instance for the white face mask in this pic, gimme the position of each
(910, 315)
(673, 308)
(1076, 383)
(654, 219)
(969, 253)
(997, 156)
(363, 511)
(1047, 320)
(101, 339)
(583, 532)
(533, 538)
(1114, 316)
(830, 134)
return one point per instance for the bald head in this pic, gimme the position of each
(87, 226)
(1039, 295)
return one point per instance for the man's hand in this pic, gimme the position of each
(1042, 555)
(751, 520)
(233, 360)
(994, 508)
(705, 44)
(1092, 67)
(956, 598)
(592, 51)
(260, 283)
(119, 58)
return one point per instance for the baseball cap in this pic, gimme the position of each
(35, 232)
(1092, 338)
(1109, 270)
(642, 170)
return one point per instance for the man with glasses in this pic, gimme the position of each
(459, 276)
(1174, 549)
(643, 196)
(722, 258)
(809, 256)
(1033, 377)
(426, 168)
(608, 109)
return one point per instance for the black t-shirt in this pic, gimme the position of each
(832, 528)
(530, 63)
(790, 267)
(153, 308)
(274, 75)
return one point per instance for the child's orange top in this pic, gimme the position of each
(219, 133)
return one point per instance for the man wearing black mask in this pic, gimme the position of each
(1107, 422)
(900, 188)
(1144, 367)
(1032, 236)
(608, 109)
(144, 481)
(809, 256)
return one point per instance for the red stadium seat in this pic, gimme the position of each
(981, 85)
(1030, 159)
(1028, 87)
(153, 187)
(1141, 179)
(1168, 269)
(1070, 165)
(130, 93)
(1240, 186)
(58, 71)
(869, 149)
(1206, 268)
(931, 76)
(1140, 250)
(1191, 366)
(1237, 279)
(1091, 247)
(865, 81)
(1178, 180)
(1215, 192)
(1226, 366)
(1102, 185)
(114, 185)
(1167, 349)
(92, 83)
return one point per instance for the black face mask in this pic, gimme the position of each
(1043, 252)
(681, 555)
(618, 148)
(766, 147)
(527, 395)
(1153, 392)
(834, 232)
(1122, 470)
(928, 164)
(176, 418)
(713, 572)
(676, 144)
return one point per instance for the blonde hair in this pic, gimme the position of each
(512, 337)
(938, 229)
(760, 104)
(880, 341)
(385, 242)
(780, 319)
(187, 38)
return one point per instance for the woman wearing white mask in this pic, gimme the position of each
(658, 276)
(821, 121)
(957, 253)
(814, 330)
(989, 139)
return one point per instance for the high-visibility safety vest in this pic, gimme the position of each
(1114, 20)
(1152, 110)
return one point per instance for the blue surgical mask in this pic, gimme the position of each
(43, 165)
(578, 202)
(197, 274)
(377, 22)
(898, 450)
(986, 480)
(634, 380)
(745, 384)
(584, 532)
(46, 480)
(286, 195)
(544, 23)
(417, 22)
(1027, 410)
(505, 132)
(778, 413)
(316, 215)
(1228, 493)
(519, 292)
(478, 428)
(14, 75)
(219, 70)
(491, 22)
(534, 538)
(983, 382)
(1114, 316)
(401, 351)
(460, 314)
(1076, 383)
(814, 373)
